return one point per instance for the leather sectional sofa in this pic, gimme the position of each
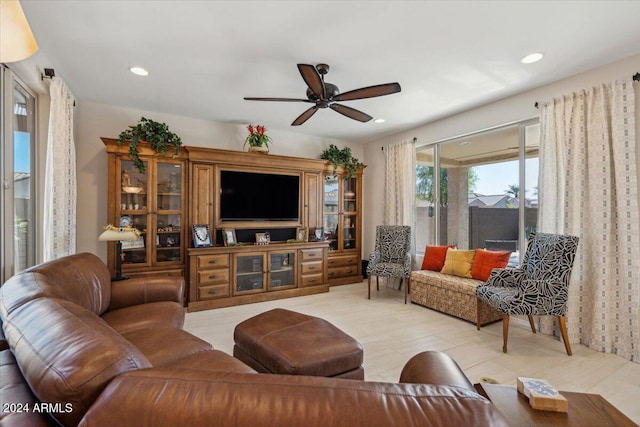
(81, 350)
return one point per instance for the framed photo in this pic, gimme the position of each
(229, 237)
(302, 234)
(201, 236)
(263, 238)
(318, 234)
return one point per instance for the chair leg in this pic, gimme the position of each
(369, 287)
(533, 326)
(563, 330)
(505, 332)
(406, 289)
(377, 283)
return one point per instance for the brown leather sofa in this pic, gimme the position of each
(85, 351)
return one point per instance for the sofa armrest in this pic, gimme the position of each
(142, 290)
(505, 277)
(434, 367)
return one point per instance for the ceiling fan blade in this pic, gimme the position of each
(352, 113)
(368, 92)
(312, 78)
(305, 116)
(248, 98)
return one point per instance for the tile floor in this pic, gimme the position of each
(392, 332)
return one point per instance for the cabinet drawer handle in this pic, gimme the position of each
(213, 261)
(313, 254)
(349, 260)
(213, 276)
(331, 261)
(313, 267)
(312, 280)
(332, 274)
(350, 271)
(214, 291)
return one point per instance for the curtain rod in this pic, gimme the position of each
(636, 78)
(414, 140)
(50, 73)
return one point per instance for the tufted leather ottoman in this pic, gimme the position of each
(285, 342)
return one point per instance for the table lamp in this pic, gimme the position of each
(118, 234)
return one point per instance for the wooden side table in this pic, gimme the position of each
(585, 410)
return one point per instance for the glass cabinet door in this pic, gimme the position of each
(169, 208)
(281, 270)
(133, 210)
(349, 213)
(249, 273)
(331, 210)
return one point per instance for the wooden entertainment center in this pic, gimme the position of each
(176, 193)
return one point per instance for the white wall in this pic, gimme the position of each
(98, 120)
(515, 108)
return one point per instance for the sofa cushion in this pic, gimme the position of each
(458, 263)
(73, 358)
(211, 361)
(81, 278)
(485, 261)
(164, 345)
(434, 257)
(153, 314)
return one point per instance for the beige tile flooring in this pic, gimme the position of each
(391, 332)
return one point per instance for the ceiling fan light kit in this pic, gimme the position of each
(325, 95)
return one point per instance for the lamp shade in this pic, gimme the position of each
(16, 39)
(115, 235)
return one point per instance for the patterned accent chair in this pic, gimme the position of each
(539, 287)
(391, 257)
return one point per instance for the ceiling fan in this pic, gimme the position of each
(325, 95)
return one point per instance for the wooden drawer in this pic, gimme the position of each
(208, 262)
(342, 260)
(311, 267)
(212, 277)
(337, 272)
(214, 291)
(310, 254)
(310, 279)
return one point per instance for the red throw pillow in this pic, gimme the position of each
(434, 257)
(485, 261)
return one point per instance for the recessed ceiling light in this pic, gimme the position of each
(531, 58)
(378, 121)
(139, 71)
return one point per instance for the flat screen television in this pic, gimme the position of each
(251, 196)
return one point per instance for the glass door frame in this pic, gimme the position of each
(522, 125)
(9, 82)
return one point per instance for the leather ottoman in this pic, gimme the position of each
(286, 342)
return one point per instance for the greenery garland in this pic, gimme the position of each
(342, 158)
(156, 134)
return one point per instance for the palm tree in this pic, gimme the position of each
(514, 190)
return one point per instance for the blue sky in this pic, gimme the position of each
(496, 178)
(21, 155)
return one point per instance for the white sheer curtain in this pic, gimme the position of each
(60, 176)
(588, 188)
(400, 189)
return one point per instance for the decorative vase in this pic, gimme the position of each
(263, 149)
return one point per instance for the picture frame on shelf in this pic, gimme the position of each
(229, 237)
(302, 234)
(318, 235)
(263, 238)
(201, 236)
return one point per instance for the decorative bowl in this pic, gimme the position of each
(133, 190)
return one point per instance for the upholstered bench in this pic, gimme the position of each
(451, 295)
(286, 342)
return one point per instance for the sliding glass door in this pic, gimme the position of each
(17, 106)
(469, 189)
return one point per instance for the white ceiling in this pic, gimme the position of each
(205, 56)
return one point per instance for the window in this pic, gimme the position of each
(469, 189)
(17, 117)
